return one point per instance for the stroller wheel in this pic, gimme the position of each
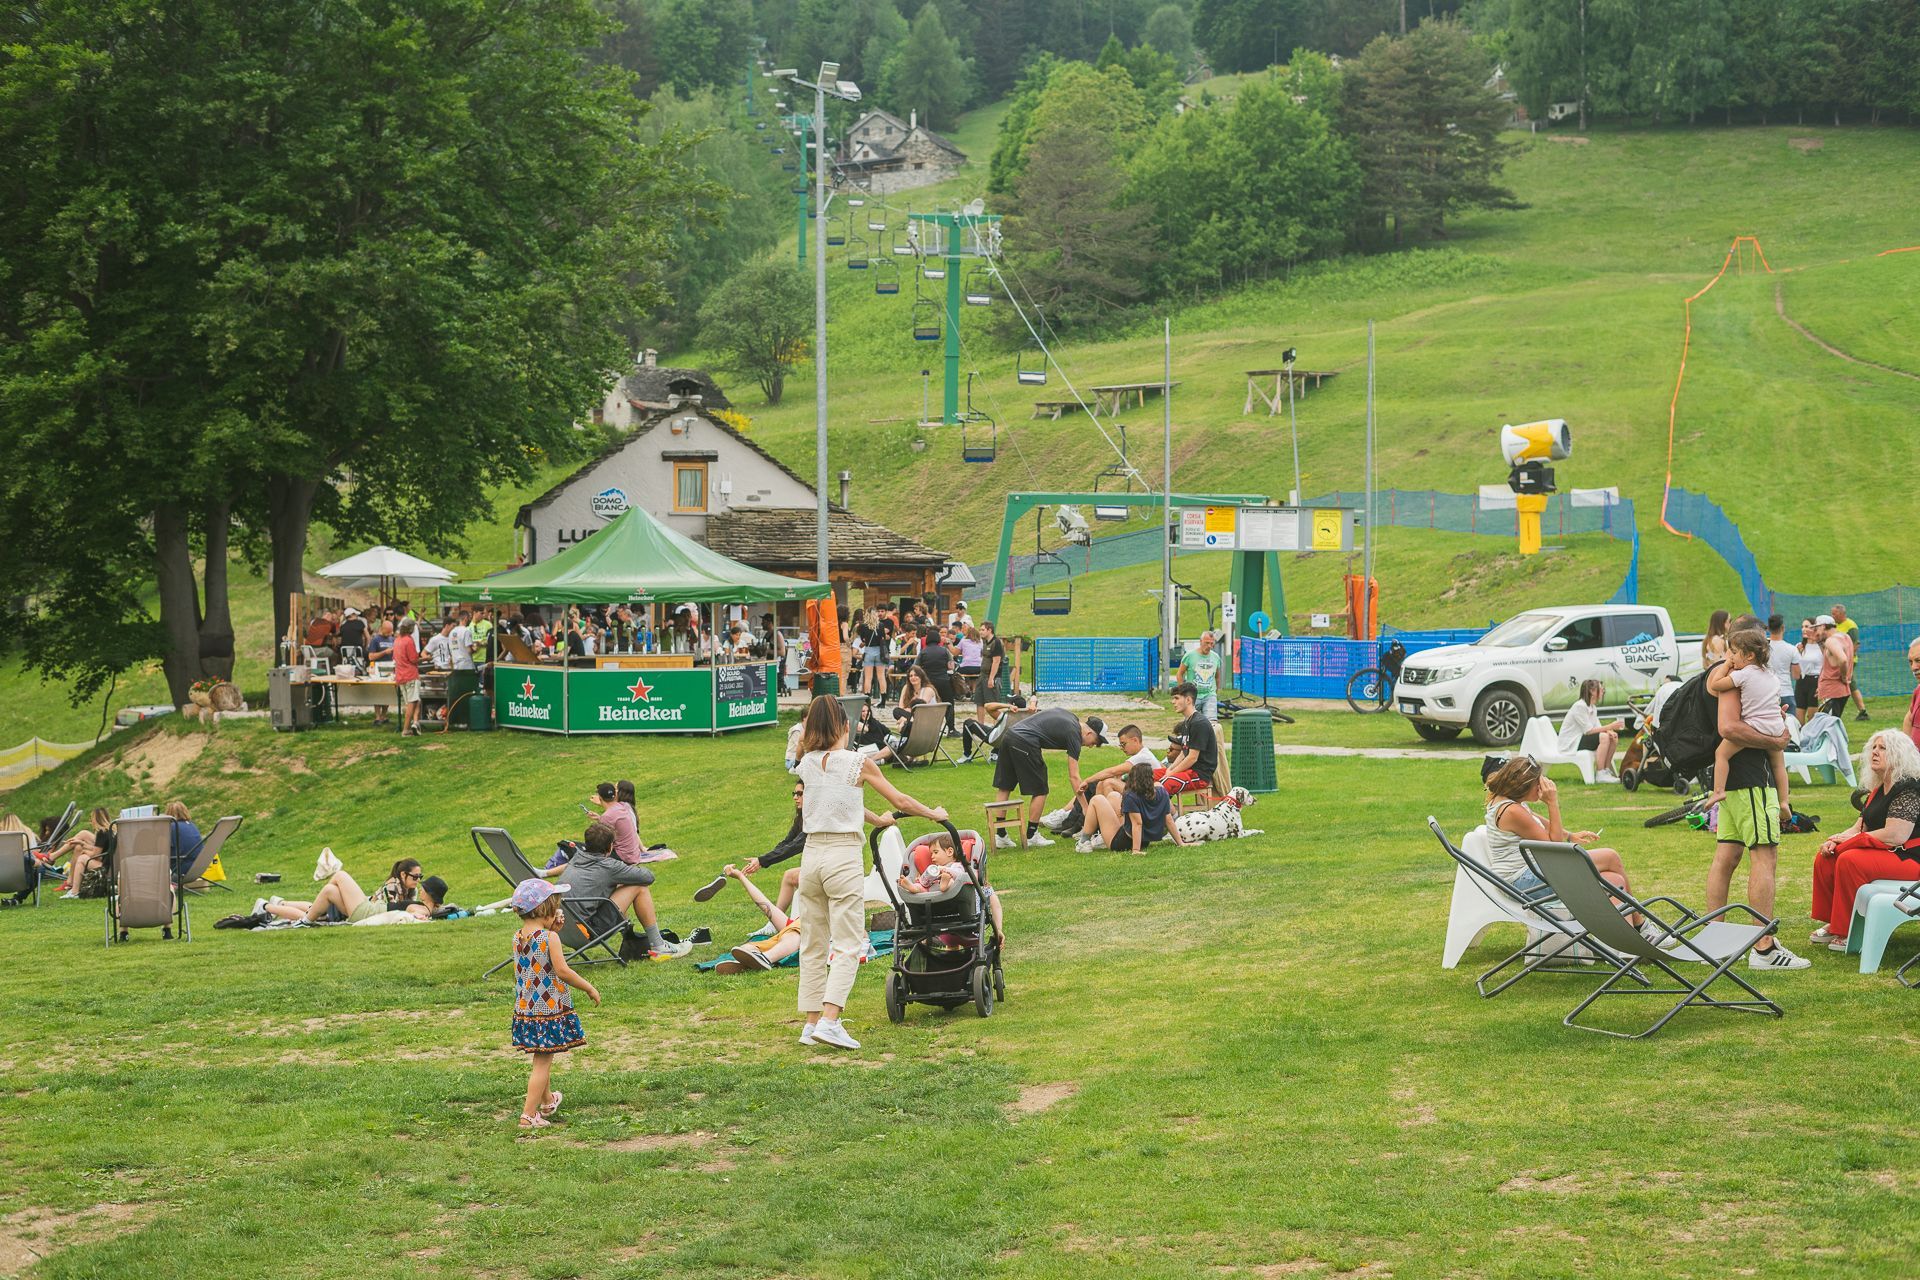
(896, 1006)
(1630, 779)
(999, 983)
(1681, 785)
(983, 991)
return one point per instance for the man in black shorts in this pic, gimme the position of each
(1020, 764)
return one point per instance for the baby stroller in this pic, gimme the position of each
(1642, 760)
(945, 951)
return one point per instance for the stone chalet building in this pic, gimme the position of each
(707, 481)
(883, 153)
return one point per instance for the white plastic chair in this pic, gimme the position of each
(1878, 910)
(1481, 900)
(1542, 741)
(1823, 746)
(892, 856)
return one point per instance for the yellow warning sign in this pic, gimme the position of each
(1221, 519)
(1326, 529)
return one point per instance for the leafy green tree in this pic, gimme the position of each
(760, 321)
(628, 43)
(702, 42)
(270, 262)
(1315, 81)
(927, 73)
(1246, 35)
(1016, 126)
(1425, 130)
(1076, 249)
(1170, 30)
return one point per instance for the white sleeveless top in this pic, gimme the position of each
(835, 801)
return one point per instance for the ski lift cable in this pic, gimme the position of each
(1093, 415)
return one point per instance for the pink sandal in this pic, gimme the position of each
(534, 1122)
(553, 1108)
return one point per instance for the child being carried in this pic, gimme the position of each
(1746, 670)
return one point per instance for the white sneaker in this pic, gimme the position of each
(1606, 775)
(69, 894)
(1777, 957)
(1085, 844)
(673, 951)
(833, 1033)
(259, 905)
(806, 1032)
(1038, 841)
(1057, 819)
(1001, 841)
(764, 931)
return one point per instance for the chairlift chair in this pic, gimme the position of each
(934, 268)
(978, 290)
(856, 253)
(835, 238)
(886, 277)
(926, 320)
(979, 433)
(877, 221)
(1030, 361)
(1053, 597)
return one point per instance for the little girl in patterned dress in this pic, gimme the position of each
(544, 1022)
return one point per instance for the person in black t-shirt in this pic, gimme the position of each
(353, 632)
(1193, 748)
(1021, 764)
(992, 685)
(937, 661)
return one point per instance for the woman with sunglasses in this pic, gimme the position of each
(1510, 789)
(341, 898)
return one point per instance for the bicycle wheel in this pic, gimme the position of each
(1279, 717)
(1678, 812)
(1367, 690)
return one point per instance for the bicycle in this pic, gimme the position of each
(1370, 689)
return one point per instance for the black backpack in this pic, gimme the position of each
(1689, 728)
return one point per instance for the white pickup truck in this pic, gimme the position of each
(1534, 664)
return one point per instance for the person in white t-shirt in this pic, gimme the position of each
(1812, 658)
(460, 642)
(1582, 731)
(1783, 660)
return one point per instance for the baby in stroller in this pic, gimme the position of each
(943, 871)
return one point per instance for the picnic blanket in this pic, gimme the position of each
(881, 940)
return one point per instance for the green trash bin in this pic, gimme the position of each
(463, 690)
(480, 711)
(1252, 762)
(826, 684)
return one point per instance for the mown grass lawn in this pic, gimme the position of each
(1238, 1061)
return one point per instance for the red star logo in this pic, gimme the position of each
(526, 690)
(640, 689)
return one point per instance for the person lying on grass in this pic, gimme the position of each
(544, 1021)
(342, 898)
(1510, 788)
(763, 950)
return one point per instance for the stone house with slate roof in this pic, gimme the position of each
(707, 481)
(651, 386)
(884, 153)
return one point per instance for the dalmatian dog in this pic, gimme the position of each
(1222, 822)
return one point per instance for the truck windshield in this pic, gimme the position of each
(1515, 632)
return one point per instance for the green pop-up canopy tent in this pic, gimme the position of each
(638, 560)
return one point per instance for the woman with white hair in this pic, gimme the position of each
(1874, 848)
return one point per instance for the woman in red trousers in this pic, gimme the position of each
(1874, 848)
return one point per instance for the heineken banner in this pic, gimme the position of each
(673, 700)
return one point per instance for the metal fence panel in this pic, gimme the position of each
(1095, 664)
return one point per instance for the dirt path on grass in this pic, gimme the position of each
(1780, 308)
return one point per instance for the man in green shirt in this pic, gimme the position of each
(1201, 668)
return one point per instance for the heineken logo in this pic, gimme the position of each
(640, 690)
(526, 689)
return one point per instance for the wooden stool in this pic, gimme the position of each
(1008, 816)
(1192, 802)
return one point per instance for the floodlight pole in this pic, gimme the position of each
(820, 326)
(1293, 425)
(1166, 500)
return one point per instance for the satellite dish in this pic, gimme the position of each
(975, 207)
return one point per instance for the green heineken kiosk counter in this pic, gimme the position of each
(637, 561)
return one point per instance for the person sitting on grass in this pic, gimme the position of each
(1110, 781)
(86, 850)
(1581, 730)
(790, 846)
(1510, 788)
(1875, 847)
(342, 898)
(1132, 820)
(1746, 670)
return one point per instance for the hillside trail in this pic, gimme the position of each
(1780, 308)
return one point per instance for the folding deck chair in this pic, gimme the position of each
(19, 876)
(1481, 899)
(1687, 936)
(140, 890)
(584, 922)
(202, 859)
(924, 736)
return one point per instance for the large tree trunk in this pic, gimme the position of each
(216, 626)
(289, 511)
(179, 600)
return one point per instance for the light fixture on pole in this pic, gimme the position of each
(1293, 424)
(827, 84)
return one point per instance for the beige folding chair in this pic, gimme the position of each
(140, 890)
(18, 875)
(924, 734)
(202, 859)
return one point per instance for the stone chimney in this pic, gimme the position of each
(846, 478)
(913, 120)
(649, 358)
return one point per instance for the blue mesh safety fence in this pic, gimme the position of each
(1097, 664)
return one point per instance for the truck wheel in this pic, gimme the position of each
(1499, 716)
(1437, 732)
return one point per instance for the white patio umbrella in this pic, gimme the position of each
(385, 568)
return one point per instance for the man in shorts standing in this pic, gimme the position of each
(406, 678)
(1750, 819)
(1020, 763)
(1200, 667)
(1851, 630)
(1836, 666)
(992, 684)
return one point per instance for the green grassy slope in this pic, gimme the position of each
(1570, 308)
(1208, 1064)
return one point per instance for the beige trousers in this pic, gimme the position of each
(829, 905)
